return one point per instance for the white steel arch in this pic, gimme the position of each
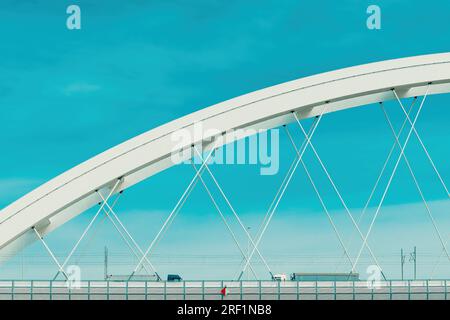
(71, 193)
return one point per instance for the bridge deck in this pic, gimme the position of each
(237, 290)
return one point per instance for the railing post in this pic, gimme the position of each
(31, 290)
(184, 290)
(51, 290)
(353, 291)
(107, 290)
(146, 290)
(317, 291)
(446, 291)
(126, 290)
(260, 290)
(279, 290)
(373, 290)
(89, 289)
(12, 290)
(203, 290)
(409, 289)
(335, 290)
(241, 290)
(428, 292)
(390, 289)
(165, 290)
(221, 286)
(298, 290)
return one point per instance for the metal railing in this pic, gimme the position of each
(236, 290)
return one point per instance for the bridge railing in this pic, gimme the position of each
(236, 290)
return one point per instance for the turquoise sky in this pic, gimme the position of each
(67, 95)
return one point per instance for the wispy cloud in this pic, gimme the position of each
(12, 188)
(81, 87)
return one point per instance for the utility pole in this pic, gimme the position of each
(402, 261)
(21, 263)
(248, 253)
(106, 263)
(413, 258)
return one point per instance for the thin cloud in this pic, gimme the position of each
(75, 88)
(13, 188)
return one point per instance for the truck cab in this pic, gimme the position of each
(174, 278)
(279, 277)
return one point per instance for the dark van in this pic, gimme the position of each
(173, 277)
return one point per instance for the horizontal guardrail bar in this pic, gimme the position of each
(237, 290)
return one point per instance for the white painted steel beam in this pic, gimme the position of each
(71, 193)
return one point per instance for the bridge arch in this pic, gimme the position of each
(73, 192)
